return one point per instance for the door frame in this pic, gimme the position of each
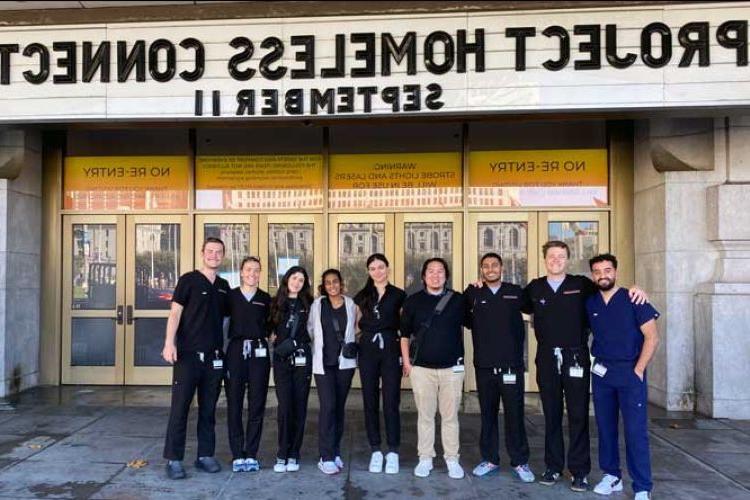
(106, 375)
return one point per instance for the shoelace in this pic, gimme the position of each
(247, 348)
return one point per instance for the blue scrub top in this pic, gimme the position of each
(616, 326)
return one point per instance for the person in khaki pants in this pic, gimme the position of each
(433, 319)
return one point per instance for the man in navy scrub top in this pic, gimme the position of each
(625, 339)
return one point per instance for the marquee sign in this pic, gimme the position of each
(563, 59)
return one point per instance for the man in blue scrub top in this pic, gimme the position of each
(625, 339)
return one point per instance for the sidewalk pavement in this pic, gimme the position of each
(106, 443)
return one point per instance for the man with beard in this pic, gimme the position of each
(625, 339)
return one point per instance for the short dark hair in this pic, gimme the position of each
(490, 255)
(604, 257)
(555, 244)
(212, 239)
(436, 259)
(322, 287)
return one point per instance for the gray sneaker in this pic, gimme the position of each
(175, 470)
(208, 464)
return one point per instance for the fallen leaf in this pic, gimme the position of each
(137, 464)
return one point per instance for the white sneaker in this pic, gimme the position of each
(339, 463)
(642, 495)
(238, 465)
(280, 465)
(455, 471)
(376, 462)
(608, 485)
(524, 473)
(292, 465)
(423, 468)
(391, 463)
(328, 467)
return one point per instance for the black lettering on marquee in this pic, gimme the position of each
(245, 102)
(198, 103)
(156, 47)
(98, 61)
(127, 61)
(43, 73)
(429, 52)
(738, 41)
(346, 95)
(68, 63)
(276, 53)
(612, 58)
(367, 93)
(321, 101)
(270, 102)
(200, 59)
(564, 39)
(520, 34)
(476, 48)
(432, 101)
(367, 55)
(698, 45)
(6, 50)
(412, 99)
(307, 56)
(294, 101)
(339, 70)
(593, 46)
(406, 49)
(216, 103)
(390, 96)
(665, 40)
(247, 52)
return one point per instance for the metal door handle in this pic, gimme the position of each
(129, 315)
(119, 315)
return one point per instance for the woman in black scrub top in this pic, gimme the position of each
(380, 303)
(248, 365)
(333, 317)
(289, 312)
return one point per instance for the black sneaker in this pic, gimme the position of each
(175, 470)
(580, 483)
(549, 477)
(208, 464)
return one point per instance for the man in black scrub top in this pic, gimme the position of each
(493, 313)
(193, 345)
(558, 303)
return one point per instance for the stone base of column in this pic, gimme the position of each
(722, 350)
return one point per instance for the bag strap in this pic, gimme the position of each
(442, 303)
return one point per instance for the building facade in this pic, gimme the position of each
(317, 133)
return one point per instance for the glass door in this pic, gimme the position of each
(240, 236)
(512, 235)
(158, 253)
(93, 299)
(586, 233)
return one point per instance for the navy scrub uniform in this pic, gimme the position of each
(333, 385)
(199, 364)
(379, 359)
(248, 369)
(561, 330)
(292, 381)
(617, 345)
(498, 333)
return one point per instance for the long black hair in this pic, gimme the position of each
(368, 296)
(282, 296)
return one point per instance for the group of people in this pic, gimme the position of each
(388, 335)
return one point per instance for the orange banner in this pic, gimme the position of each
(537, 168)
(395, 170)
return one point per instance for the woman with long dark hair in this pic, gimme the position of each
(292, 364)
(333, 317)
(248, 365)
(380, 304)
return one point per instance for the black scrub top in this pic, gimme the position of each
(204, 307)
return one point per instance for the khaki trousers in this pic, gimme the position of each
(437, 389)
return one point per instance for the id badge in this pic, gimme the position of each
(599, 369)
(261, 352)
(300, 360)
(458, 368)
(509, 378)
(218, 364)
(577, 371)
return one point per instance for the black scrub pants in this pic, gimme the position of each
(246, 375)
(333, 388)
(491, 391)
(554, 388)
(377, 364)
(292, 391)
(190, 374)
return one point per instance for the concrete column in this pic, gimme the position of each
(673, 254)
(722, 304)
(20, 258)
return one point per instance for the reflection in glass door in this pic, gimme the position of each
(514, 237)
(93, 299)
(586, 233)
(239, 234)
(155, 261)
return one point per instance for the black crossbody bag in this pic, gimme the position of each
(418, 338)
(349, 350)
(288, 346)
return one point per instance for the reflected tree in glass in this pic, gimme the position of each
(582, 238)
(357, 241)
(94, 266)
(236, 238)
(157, 264)
(425, 240)
(509, 240)
(289, 244)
